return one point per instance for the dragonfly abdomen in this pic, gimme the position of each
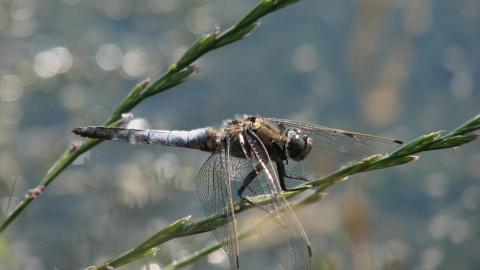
(198, 138)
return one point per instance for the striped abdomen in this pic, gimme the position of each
(202, 138)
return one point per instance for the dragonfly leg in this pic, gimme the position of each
(246, 182)
(253, 191)
(282, 175)
(296, 178)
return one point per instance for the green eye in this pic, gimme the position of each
(298, 145)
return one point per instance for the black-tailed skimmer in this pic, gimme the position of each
(257, 155)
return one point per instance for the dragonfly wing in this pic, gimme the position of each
(214, 190)
(276, 224)
(333, 148)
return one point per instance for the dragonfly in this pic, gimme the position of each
(254, 156)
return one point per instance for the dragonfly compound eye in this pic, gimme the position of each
(298, 145)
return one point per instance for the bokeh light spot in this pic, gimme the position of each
(436, 185)
(64, 57)
(431, 258)
(305, 58)
(453, 57)
(439, 226)
(471, 198)
(135, 63)
(11, 88)
(462, 83)
(47, 64)
(109, 57)
(136, 196)
(118, 9)
(23, 9)
(381, 105)
(201, 20)
(459, 232)
(151, 266)
(217, 256)
(167, 165)
(23, 28)
(138, 123)
(185, 179)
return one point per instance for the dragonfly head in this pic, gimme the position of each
(298, 145)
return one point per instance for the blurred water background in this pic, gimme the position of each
(396, 68)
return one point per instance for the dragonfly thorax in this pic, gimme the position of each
(298, 145)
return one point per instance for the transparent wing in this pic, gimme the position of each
(333, 148)
(276, 224)
(214, 190)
